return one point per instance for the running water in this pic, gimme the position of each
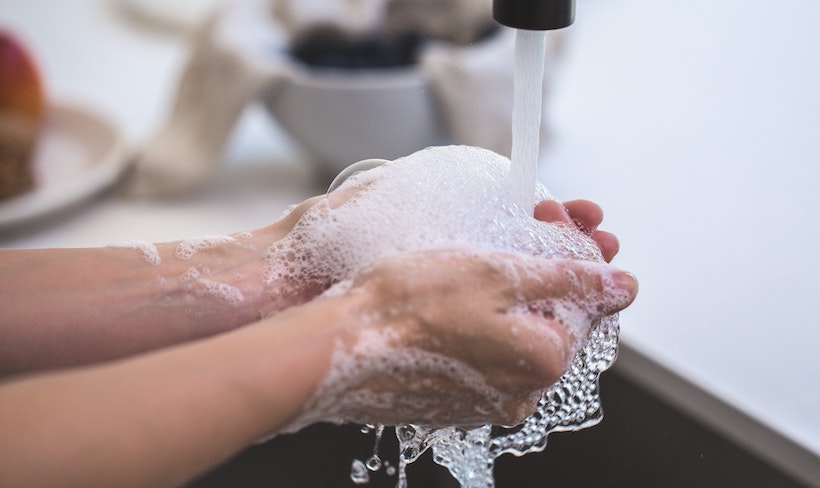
(530, 51)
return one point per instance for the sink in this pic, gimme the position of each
(643, 441)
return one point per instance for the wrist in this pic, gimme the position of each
(212, 284)
(223, 279)
(292, 355)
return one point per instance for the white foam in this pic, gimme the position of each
(188, 248)
(222, 291)
(196, 280)
(346, 394)
(191, 274)
(441, 197)
(149, 251)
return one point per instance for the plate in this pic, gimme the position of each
(78, 154)
(181, 15)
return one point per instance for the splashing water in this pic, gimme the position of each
(358, 472)
(572, 403)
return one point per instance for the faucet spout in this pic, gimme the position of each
(534, 14)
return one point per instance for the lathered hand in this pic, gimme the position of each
(462, 337)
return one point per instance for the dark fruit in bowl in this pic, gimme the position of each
(329, 48)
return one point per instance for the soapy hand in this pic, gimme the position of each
(463, 337)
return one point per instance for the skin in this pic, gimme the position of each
(129, 377)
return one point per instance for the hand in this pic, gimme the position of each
(585, 215)
(462, 337)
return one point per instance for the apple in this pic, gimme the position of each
(22, 105)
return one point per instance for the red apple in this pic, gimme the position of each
(22, 104)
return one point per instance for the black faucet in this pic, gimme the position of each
(534, 14)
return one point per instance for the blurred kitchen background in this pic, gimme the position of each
(695, 125)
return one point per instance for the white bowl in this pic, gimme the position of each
(342, 116)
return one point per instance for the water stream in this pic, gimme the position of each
(530, 51)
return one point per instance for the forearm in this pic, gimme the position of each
(65, 307)
(162, 418)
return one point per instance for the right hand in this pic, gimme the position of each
(463, 337)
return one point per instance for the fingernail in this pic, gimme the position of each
(625, 281)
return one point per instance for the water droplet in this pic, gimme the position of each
(407, 433)
(358, 473)
(410, 453)
(374, 463)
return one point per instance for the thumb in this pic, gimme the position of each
(596, 289)
(601, 289)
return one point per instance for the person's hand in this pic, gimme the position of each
(585, 215)
(462, 337)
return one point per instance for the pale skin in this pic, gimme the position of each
(119, 375)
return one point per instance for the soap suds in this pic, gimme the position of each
(441, 197)
(223, 292)
(195, 280)
(149, 251)
(188, 248)
(376, 352)
(191, 274)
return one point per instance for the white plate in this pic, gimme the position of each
(182, 15)
(78, 154)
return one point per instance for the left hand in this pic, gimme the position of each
(585, 215)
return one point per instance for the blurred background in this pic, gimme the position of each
(696, 126)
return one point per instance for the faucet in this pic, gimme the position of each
(534, 14)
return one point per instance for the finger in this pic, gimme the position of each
(577, 294)
(552, 211)
(599, 289)
(586, 213)
(608, 243)
(338, 197)
(296, 213)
